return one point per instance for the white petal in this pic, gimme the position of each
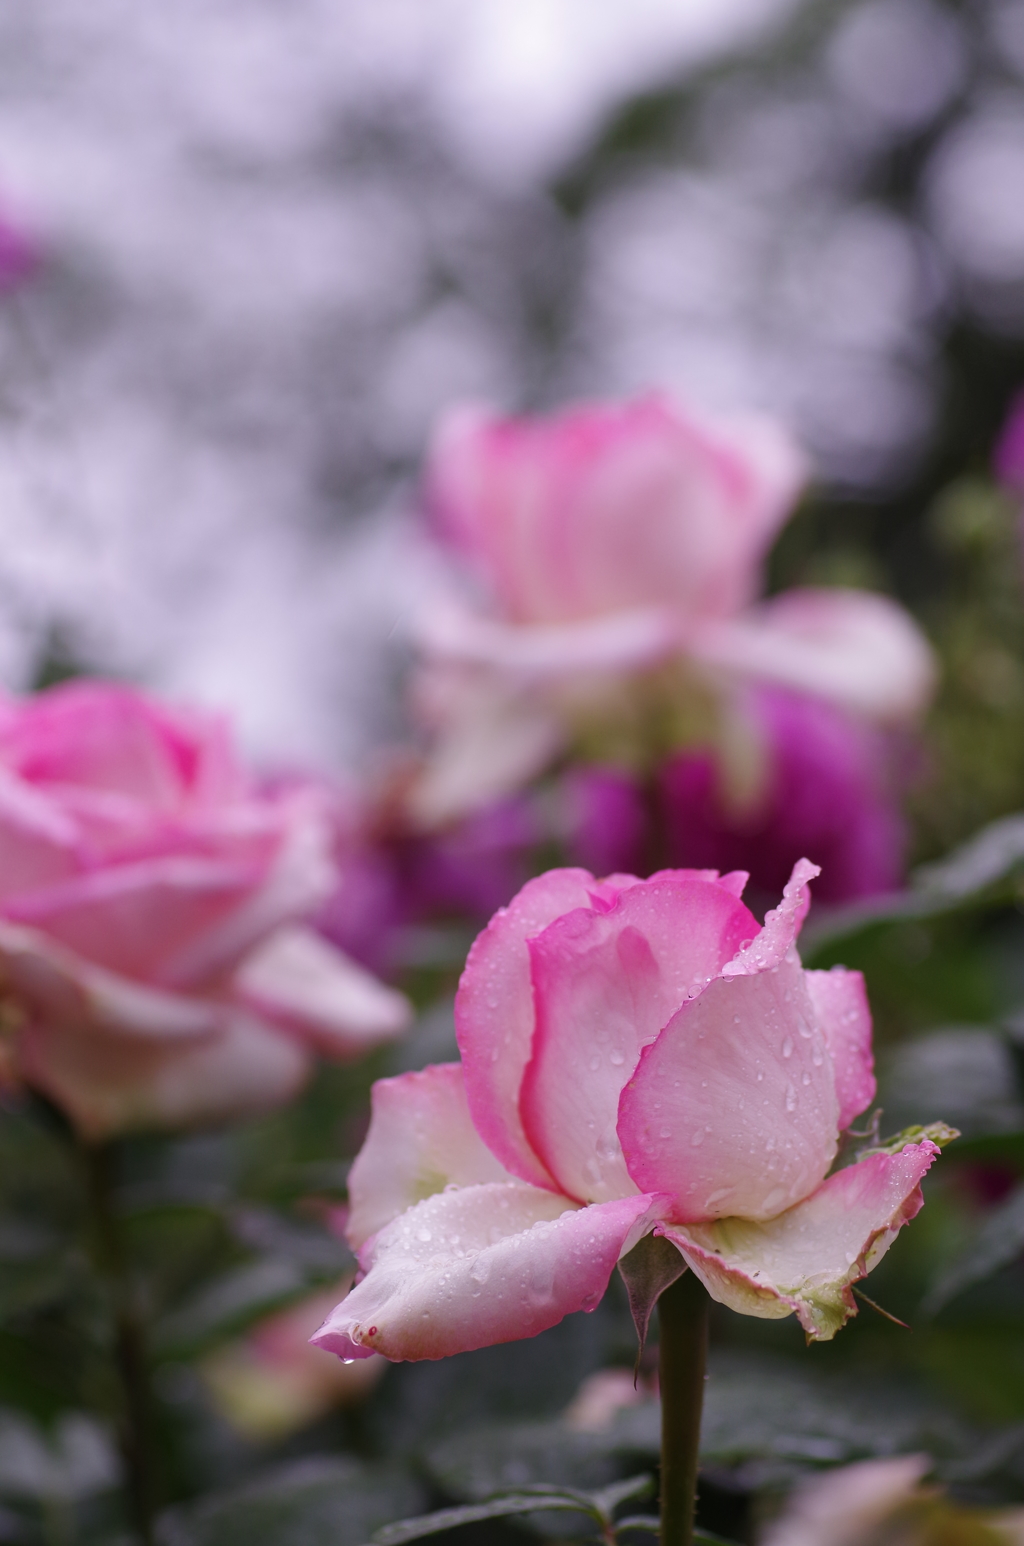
(299, 979)
(421, 1139)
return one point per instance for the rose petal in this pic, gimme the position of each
(59, 987)
(494, 1016)
(492, 1263)
(421, 1139)
(109, 1084)
(38, 841)
(301, 877)
(776, 941)
(605, 982)
(298, 979)
(99, 734)
(622, 641)
(841, 1004)
(807, 1259)
(733, 1109)
(489, 743)
(857, 649)
(138, 919)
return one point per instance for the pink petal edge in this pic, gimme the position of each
(807, 1260)
(494, 1015)
(487, 1264)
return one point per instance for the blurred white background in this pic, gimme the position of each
(278, 237)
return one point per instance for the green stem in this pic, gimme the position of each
(134, 1426)
(683, 1322)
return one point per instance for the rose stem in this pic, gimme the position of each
(683, 1323)
(129, 1346)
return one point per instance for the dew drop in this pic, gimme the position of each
(787, 1047)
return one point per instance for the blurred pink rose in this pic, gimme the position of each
(637, 1057)
(608, 540)
(878, 1501)
(151, 900)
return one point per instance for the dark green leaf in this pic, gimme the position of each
(608, 1499)
(319, 1501)
(999, 1242)
(473, 1513)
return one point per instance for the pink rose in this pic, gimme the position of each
(637, 1057)
(151, 901)
(608, 540)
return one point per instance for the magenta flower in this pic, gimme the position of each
(826, 787)
(823, 782)
(19, 254)
(608, 542)
(637, 1057)
(151, 907)
(1008, 460)
(392, 882)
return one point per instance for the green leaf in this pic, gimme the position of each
(539, 1497)
(319, 1501)
(939, 1133)
(608, 1499)
(473, 1513)
(999, 1242)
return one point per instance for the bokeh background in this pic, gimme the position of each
(274, 241)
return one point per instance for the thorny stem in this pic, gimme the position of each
(683, 1321)
(134, 1425)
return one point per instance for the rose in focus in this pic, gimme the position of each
(155, 962)
(616, 553)
(638, 1057)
